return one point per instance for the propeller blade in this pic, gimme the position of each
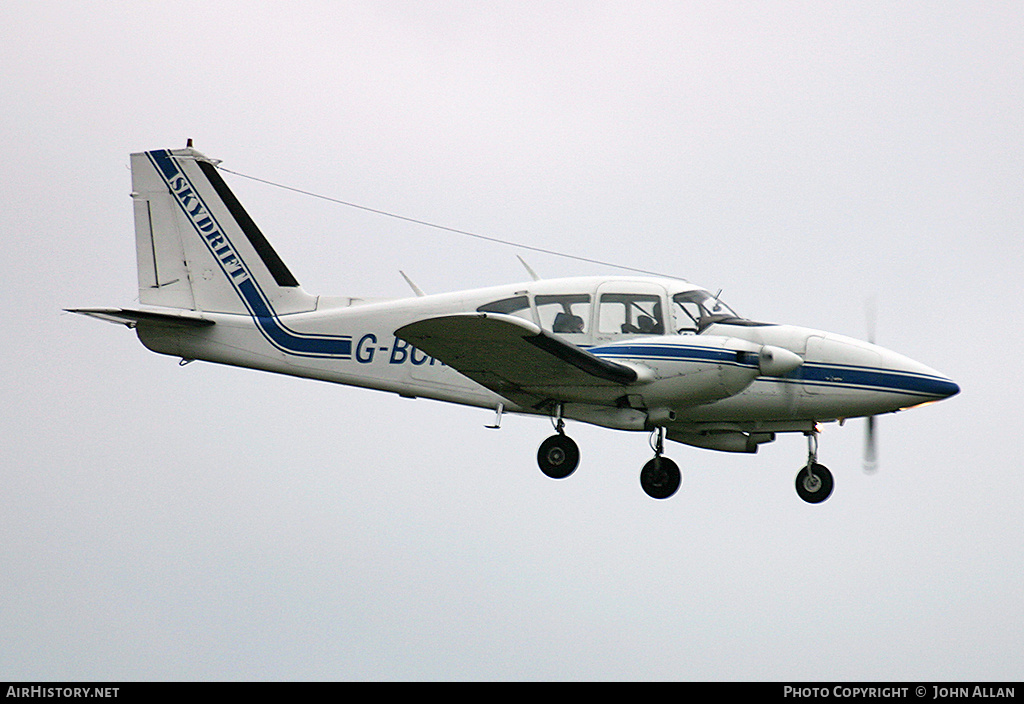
(870, 446)
(871, 318)
(870, 442)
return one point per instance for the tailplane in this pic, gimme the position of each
(197, 248)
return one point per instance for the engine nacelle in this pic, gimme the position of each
(687, 370)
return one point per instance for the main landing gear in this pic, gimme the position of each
(814, 481)
(559, 455)
(660, 477)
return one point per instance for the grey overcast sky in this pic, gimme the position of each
(206, 522)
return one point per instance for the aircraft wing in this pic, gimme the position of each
(515, 358)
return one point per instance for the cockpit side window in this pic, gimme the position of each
(695, 310)
(564, 314)
(631, 314)
(517, 305)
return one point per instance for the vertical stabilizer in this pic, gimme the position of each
(197, 248)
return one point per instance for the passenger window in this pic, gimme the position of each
(564, 314)
(631, 314)
(517, 305)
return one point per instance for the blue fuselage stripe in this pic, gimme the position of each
(693, 354)
(874, 378)
(809, 374)
(285, 338)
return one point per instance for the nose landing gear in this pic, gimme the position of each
(814, 481)
(660, 477)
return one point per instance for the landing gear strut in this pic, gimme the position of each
(814, 481)
(660, 477)
(559, 455)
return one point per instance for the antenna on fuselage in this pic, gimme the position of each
(529, 269)
(718, 300)
(415, 289)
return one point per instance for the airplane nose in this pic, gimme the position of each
(909, 379)
(946, 387)
(923, 381)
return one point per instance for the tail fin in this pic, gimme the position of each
(197, 248)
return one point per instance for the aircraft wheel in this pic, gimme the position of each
(660, 477)
(558, 456)
(815, 486)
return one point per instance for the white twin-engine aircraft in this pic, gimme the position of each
(632, 353)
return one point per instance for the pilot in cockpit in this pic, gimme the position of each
(567, 323)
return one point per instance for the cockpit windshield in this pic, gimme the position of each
(695, 310)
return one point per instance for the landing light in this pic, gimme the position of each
(919, 405)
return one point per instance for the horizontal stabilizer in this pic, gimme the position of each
(132, 318)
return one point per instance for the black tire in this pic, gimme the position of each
(558, 456)
(660, 478)
(814, 489)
